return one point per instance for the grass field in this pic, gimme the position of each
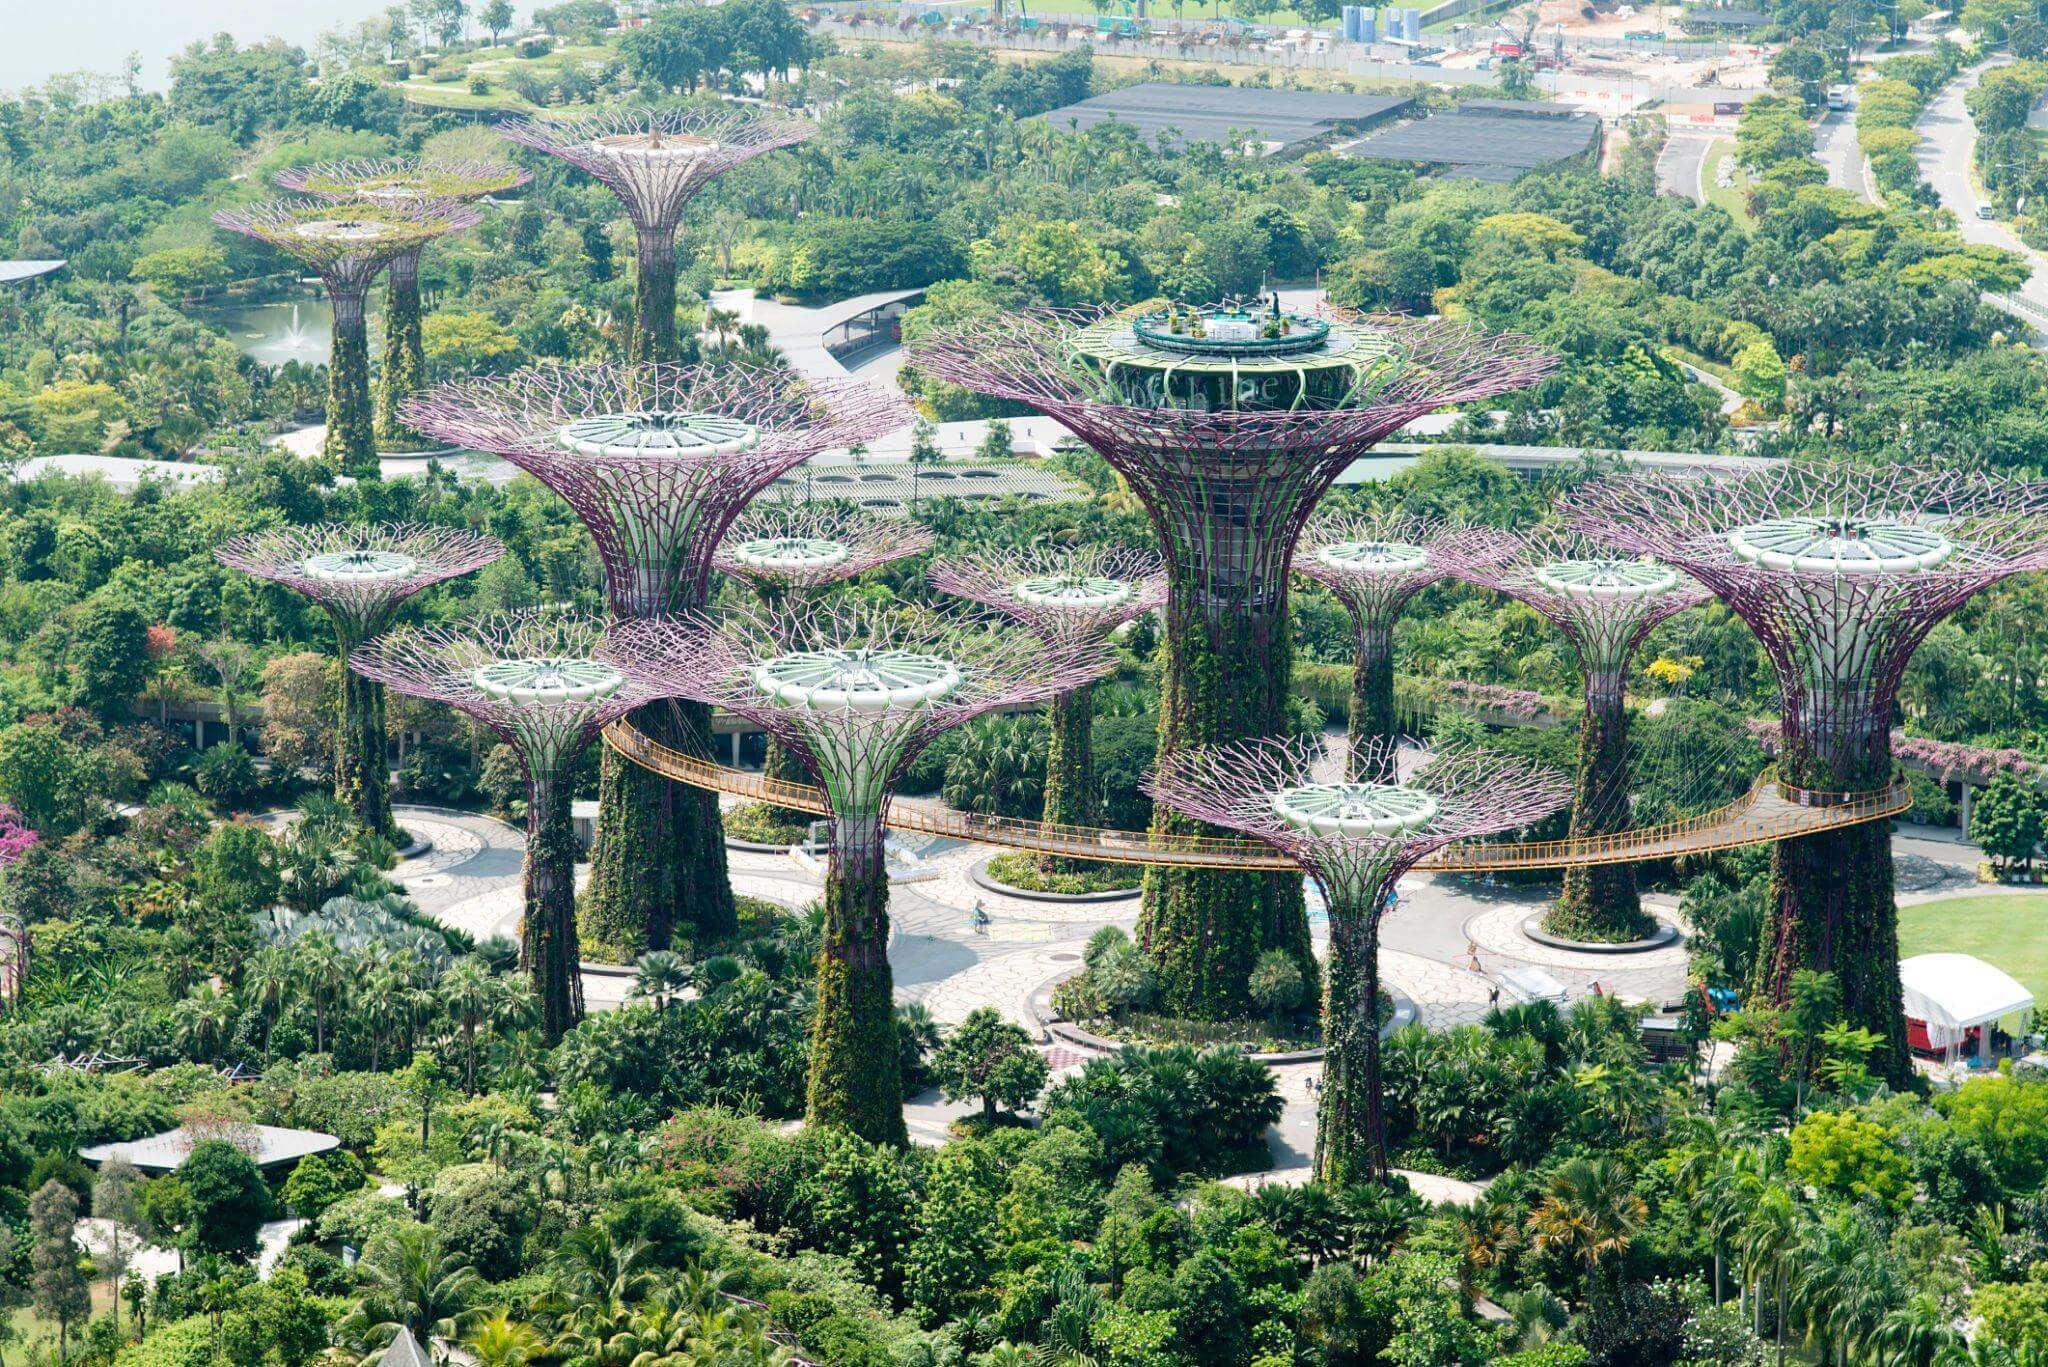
(1729, 197)
(2007, 930)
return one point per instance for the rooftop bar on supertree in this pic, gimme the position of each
(402, 180)
(657, 460)
(1604, 605)
(1229, 424)
(856, 692)
(535, 679)
(656, 161)
(1057, 591)
(1841, 570)
(346, 243)
(360, 573)
(1374, 563)
(1356, 838)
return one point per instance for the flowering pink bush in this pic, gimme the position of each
(16, 835)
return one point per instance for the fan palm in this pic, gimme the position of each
(409, 1281)
(660, 974)
(1590, 1212)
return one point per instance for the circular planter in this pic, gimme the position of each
(415, 846)
(1667, 934)
(1052, 1026)
(982, 878)
(756, 847)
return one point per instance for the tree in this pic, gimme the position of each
(109, 656)
(1858, 1159)
(321, 1180)
(410, 1282)
(2005, 821)
(496, 16)
(301, 695)
(57, 1283)
(1589, 1212)
(1276, 985)
(117, 1199)
(950, 1261)
(179, 271)
(988, 1057)
(236, 869)
(45, 777)
(229, 1199)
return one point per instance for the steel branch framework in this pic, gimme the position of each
(856, 692)
(535, 679)
(1057, 591)
(1355, 838)
(780, 545)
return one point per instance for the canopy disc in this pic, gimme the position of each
(1073, 592)
(1841, 545)
(548, 680)
(359, 567)
(1373, 557)
(1355, 809)
(1606, 578)
(857, 680)
(344, 229)
(656, 433)
(791, 553)
(654, 145)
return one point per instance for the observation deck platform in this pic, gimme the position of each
(1770, 811)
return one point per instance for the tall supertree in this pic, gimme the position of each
(1374, 562)
(402, 180)
(1229, 425)
(856, 692)
(657, 460)
(656, 161)
(360, 574)
(783, 548)
(346, 243)
(1840, 570)
(535, 679)
(1604, 606)
(1356, 839)
(1056, 592)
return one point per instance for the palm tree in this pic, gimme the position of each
(467, 994)
(200, 1022)
(501, 1341)
(1767, 1241)
(323, 973)
(1591, 1212)
(660, 974)
(410, 1282)
(267, 982)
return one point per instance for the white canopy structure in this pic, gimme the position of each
(1952, 993)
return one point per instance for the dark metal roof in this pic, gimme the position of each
(1211, 113)
(1484, 139)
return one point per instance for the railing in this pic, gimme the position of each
(1770, 811)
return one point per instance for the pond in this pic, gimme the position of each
(284, 330)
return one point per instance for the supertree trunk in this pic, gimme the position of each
(654, 297)
(1600, 902)
(1226, 678)
(1070, 768)
(549, 943)
(855, 1079)
(1351, 1139)
(405, 354)
(351, 433)
(659, 870)
(362, 768)
(1372, 692)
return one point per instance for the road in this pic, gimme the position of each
(1834, 142)
(1680, 166)
(1948, 139)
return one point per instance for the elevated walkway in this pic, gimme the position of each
(1770, 811)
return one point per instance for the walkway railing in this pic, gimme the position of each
(1770, 811)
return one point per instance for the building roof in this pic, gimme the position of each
(122, 473)
(405, 1351)
(13, 272)
(1496, 140)
(1724, 18)
(1952, 992)
(1285, 120)
(166, 1152)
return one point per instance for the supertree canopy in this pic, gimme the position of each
(1229, 424)
(656, 161)
(1355, 838)
(360, 574)
(657, 460)
(347, 243)
(1059, 591)
(1374, 562)
(1604, 605)
(402, 180)
(536, 680)
(1840, 571)
(856, 692)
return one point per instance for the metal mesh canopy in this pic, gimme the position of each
(1841, 545)
(656, 459)
(403, 179)
(348, 242)
(657, 160)
(1604, 604)
(1376, 561)
(855, 691)
(806, 545)
(1093, 589)
(360, 572)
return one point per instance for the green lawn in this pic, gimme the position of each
(2007, 930)
(1729, 197)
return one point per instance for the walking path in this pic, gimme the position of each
(1946, 154)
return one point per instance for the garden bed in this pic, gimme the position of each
(1018, 875)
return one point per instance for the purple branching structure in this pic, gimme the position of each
(856, 692)
(403, 179)
(780, 546)
(537, 680)
(347, 243)
(1840, 570)
(656, 161)
(1375, 562)
(1356, 838)
(361, 574)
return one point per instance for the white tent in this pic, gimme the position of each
(1953, 992)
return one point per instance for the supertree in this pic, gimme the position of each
(1374, 562)
(1840, 570)
(856, 692)
(782, 547)
(360, 574)
(1604, 606)
(1059, 591)
(346, 244)
(1228, 425)
(535, 679)
(656, 161)
(402, 180)
(1356, 838)
(657, 460)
